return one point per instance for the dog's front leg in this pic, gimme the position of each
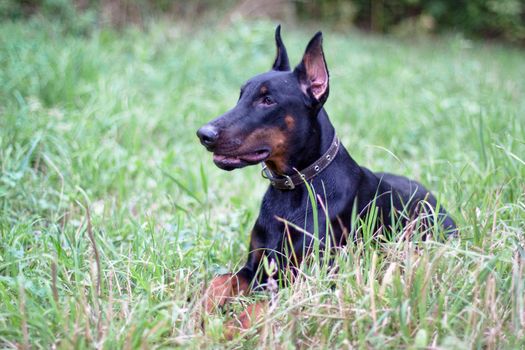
(253, 314)
(223, 288)
(226, 287)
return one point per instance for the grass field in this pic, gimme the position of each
(113, 217)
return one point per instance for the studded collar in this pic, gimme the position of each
(285, 182)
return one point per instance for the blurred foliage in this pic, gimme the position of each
(502, 19)
(487, 18)
(76, 17)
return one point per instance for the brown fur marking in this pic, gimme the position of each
(290, 122)
(222, 288)
(246, 319)
(274, 138)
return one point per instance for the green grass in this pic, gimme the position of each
(103, 127)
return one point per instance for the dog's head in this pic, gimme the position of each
(274, 116)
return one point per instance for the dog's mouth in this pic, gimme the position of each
(230, 162)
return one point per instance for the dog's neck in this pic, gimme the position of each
(319, 141)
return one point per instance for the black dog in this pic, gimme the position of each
(279, 120)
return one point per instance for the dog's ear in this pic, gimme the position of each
(312, 72)
(281, 59)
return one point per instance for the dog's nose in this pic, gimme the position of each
(208, 135)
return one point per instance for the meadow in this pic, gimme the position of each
(113, 217)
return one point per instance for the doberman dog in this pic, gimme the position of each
(279, 121)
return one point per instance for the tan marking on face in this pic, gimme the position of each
(263, 90)
(290, 122)
(278, 159)
(276, 139)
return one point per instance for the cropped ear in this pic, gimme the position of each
(281, 59)
(312, 72)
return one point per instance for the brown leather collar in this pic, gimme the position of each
(285, 182)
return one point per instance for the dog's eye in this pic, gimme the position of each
(267, 100)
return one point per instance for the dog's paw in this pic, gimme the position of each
(250, 317)
(222, 288)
